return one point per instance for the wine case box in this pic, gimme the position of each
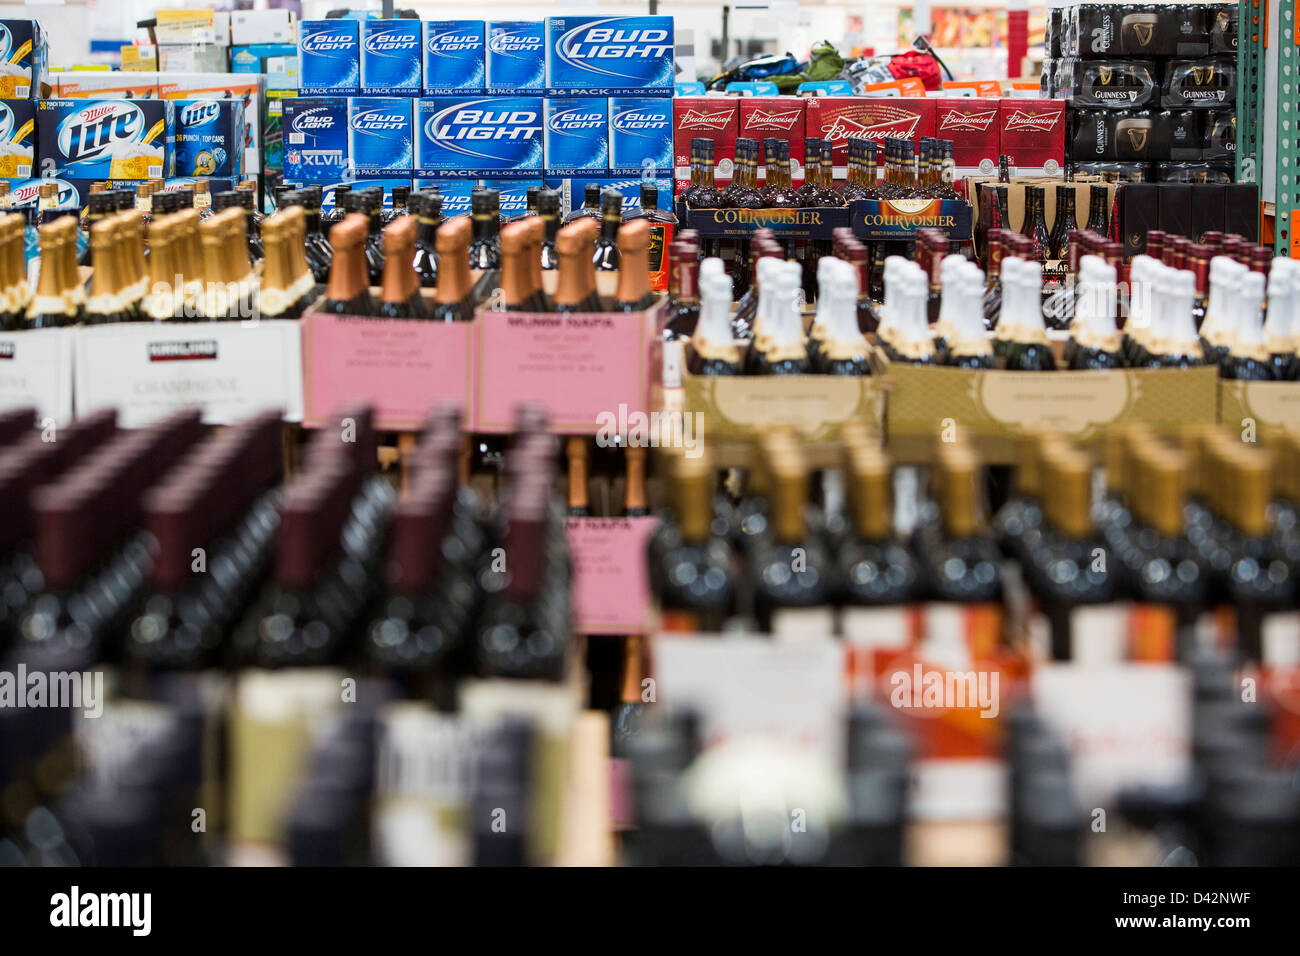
(1266, 404)
(992, 408)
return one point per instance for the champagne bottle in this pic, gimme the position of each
(968, 346)
(105, 302)
(50, 308)
(683, 293)
(399, 294)
(452, 299)
(633, 293)
(876, 568)
(1028, 350)
(163, 300)
(1248, 357)
(427, 211)
(782, 350)
(841, 347)
(1094, 341)
(605, 257)
(348, 292)
(518, 293)
(1282, 324)
(959, 561)
(1217, 328)
(711, 350)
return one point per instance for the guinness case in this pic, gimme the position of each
(1223, 28)
(1218, 134)
(1109, 84)
(1149, 135)
(1205, 83)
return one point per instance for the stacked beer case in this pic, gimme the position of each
(1151, 88)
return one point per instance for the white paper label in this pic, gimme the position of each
(803, 623)
(36, 372)
(1281, 639)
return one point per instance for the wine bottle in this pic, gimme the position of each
(959, 561)
(841, 347)
(876, 568)
(1028, 350)
(968, 346)
(1282, 324)
(105, 302)
(1248, 357)
(427, 210)
(633, 293)
(1094, 341)
(1217, 328)
(395, 298)
(163, 300)
(683, 293)
(606, 257)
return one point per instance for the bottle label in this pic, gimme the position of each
(661, 237)
(801, 623)
(1098, 634)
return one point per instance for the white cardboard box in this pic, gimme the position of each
(36, 371)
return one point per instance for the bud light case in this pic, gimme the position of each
(640, 136)
(329, 58)
(210, 138)
(390, 58)
(315, 139)
(467, 137)
(17, 138)
(513, 195)
(105, 139)
(454, 62)
(609, 56)
(455, 194)
(516, 57)
(380, 135)
(577, 136)
(571, 190)
(22, 59)
(357, 184)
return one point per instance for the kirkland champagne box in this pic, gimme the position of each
(512, 194)
(974, 126)
(105, 139)
(641, 136)
(17, 139)
(467, 137)
(329, 57)
(455, 193)
(715, 118)
(454, 59)
(380, 136)
(516, 57)
(210, 138)
(22, 59)
(390, 58)
(1033, 134)
(315, 139)
(838, 117)
(782, 117)
(576, 137)
(609, 56)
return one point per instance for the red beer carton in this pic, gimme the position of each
(974, 127)
(779, 116)
(838, 117)
(709, 117)
(1033, 135)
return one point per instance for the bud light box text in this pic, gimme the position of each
(456, 194)
(468, 137)
(609, 56)
(640, 136)
(390, 58)
(329, 58)
(210, 138)
(105, 139)
(513, 195)
(380, 135)
(17, 138)
(572, 190)
(577, 136)
(516, 57)
(315, 139)
(454, 62)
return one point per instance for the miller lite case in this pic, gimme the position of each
(315, 139)
(1209, 83)
(641, 136)
(454, 62)
(714, 118)
(782, 117)
(515, 61)
(460, 137)
(576, 137)
(973, 124)
(105, 139)
(210, 138)
(380, 136)
(17, 139)
(22, 59)
(1033, 134)
(1108, 84)
(390, 58)
(836, 118)
(609, 56)
(329, 57)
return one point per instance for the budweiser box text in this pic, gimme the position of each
(974, 126)
(781, 117)
(838, 117)
(1033, 135)
(707, 117)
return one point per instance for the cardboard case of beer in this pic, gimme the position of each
(1033, 135)
(17, 139)
(210, 138)
(454, 60)
(836, 118)
(497, 137)
(516, 57)
(315, 130)
(974, 126)
(640, 136)
(380, 136)
(609, 56)
(248, 87)
(782, 117)
(105, 139)
(329, 57)
(23, 59)
(716, 118)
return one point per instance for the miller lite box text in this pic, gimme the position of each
(390, 58)
(22, 59)
(516, 57)
(210, 138)
(640, 136)
(467, 137)
(456, 194)
(609, 56)
(1108, 84)
(1033, 134)
(105, 139)
(836, 118)
(454, 62)
(380, 136)
(716, 118)
(973, 124)
(315, 139)
(782, 117)
(1210, 83)
(17, 139)
(512, 195)
(576, 137)
(329, 57)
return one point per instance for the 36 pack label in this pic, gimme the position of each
(390, 58)
(610, 56)
(469, 137)
(577, 136)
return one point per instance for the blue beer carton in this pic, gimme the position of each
(571, 191)
(390, 58)
(23, 52)
(380, 135)
(454, 61)
(577, 136)
(210, 138)
(327, 189)
(329, 58)
(468, 137)
(315, 138)
(516, 57)
(105, 139)
(640, 136)
(513, 195)
(455, 193)
(609, 56)
(17, 139)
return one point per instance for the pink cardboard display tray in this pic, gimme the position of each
(611, 591)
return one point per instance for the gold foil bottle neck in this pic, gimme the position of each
(871, 495)
(693, 499)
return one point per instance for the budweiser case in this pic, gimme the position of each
(708, 117)
(778, 116)
(1032, 134)
(974, 125)
(838, 117)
